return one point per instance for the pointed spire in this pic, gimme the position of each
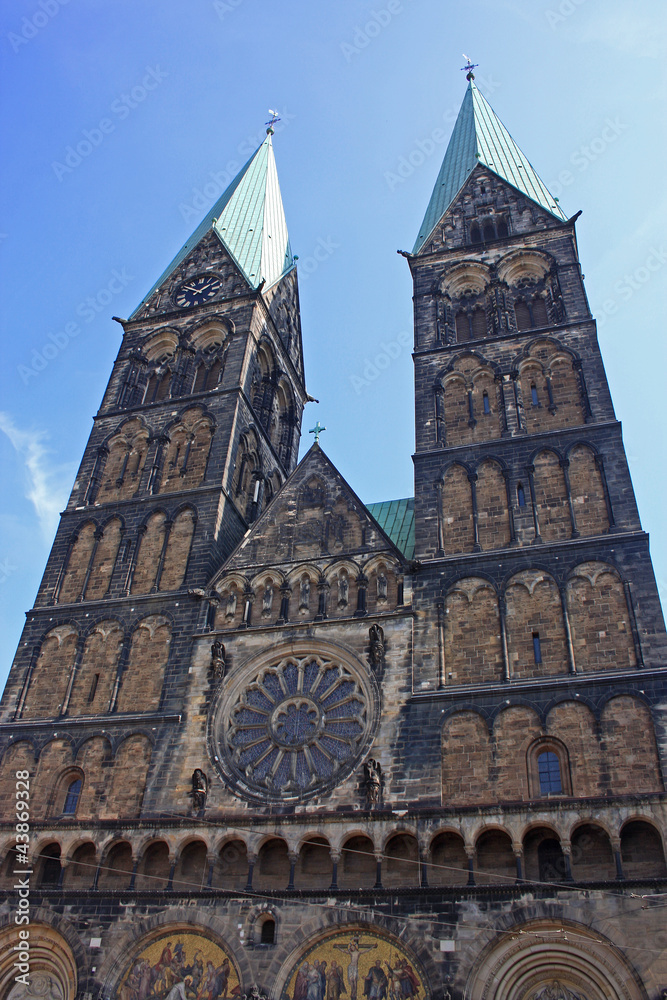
(479, 136)
(249, 220)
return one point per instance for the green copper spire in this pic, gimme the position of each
(249, 220)
(480, 137)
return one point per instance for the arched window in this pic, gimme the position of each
(51, 868)
(268, 931)
(478, 324)
(489, 231)
(522, 314)
(533, 395)
(72, 797)
(540, 317)
(502, 229)
(549, 774)
(485, 402)
(475, 234)
(462, 327)
(521, 495)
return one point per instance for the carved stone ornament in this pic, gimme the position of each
(293, 728)
(218, 660)
(199, 789)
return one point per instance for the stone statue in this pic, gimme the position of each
(304, 593)
(373, 783)
(267, 600)
(231, 604)
(218, 661)
(199, 790)
(381, 587)
(343, 591)
(376, 654)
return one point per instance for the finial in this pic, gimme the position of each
(470, 66)
(317, 430)
(274, 118)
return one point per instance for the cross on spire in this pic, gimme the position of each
(317, 430)
(274, 118)
(469, 66)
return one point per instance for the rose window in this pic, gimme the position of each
(295, 727)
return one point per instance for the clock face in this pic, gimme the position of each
(194, 291)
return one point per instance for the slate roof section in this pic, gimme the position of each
(397, 520)
(479, 136)
(249, 219)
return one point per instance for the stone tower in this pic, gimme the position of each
(277, 738)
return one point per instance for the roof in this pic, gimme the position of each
(479, 136)
(397, 520)
(249, 220)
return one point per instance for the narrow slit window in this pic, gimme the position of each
(268, 935)
(533, 395)
(485, 402)
(521, 495)
(537, 647)
(93, 688)
(548, 769)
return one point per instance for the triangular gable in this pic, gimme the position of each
(314, 516)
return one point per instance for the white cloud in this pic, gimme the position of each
(46, 485)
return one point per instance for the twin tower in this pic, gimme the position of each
(276, 738)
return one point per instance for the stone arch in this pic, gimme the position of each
(457, 512)
(128, 781)
(303, 584)
(642, 850)
(210, 336)
(104, 560)
(543, 858)
(515, 727)
(177, 553)
(599, 618)
(468, 277)
(96, 675)
(551, 502)
(382, 585)
(314, 866)
(494, 858)
(154, 866)
(51, 673)
(580, 961)
(448, 859)
(160, 346)
(592, 857)
(232, 590)
(342, 579)
(192, 867)
(127, 451)
(587, 490)
(574, 725)
(52, 964)
(151, 544)
(247, 472)
(492, 511)
(400, 864)
(116, 866)
(535, 628)
(457, 412)
(141, 683)
(231, 865)
(473, 649)
(466, 759)
(186, 458)
(357, 869)
(632, 759)
(273, 865)
(92, 758)
(81, 867)
(75, 574)
(19, 756)
(524, 265)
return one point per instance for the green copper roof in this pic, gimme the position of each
(479, 136)
(397, 519)
(249, 219)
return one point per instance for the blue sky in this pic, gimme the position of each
(166, 100)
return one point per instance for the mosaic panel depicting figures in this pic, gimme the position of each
(181, 965)
(353, 965)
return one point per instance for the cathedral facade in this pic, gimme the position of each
(261, 738)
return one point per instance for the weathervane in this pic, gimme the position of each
(317, 430)
(275, 117)
(470, 66)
